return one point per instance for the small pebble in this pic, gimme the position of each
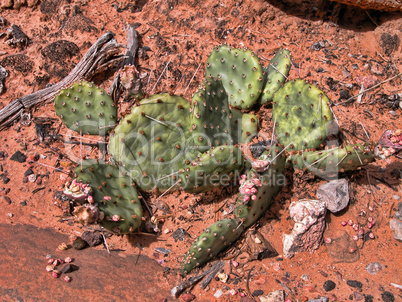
(387, 297)
(374, 267)
(397, 197)
(187, 297)
(18, 156)
(92, 238)
(368, 298)
(79, 244)
(329, 285)
(218, 293)
(62, 247)
(7, 199)
(68, 268)
(28, 172)
(6, 179)
(258, 292)
(304, 277)
(67, 279)
(32, 178)
(354, 283)
(358, 296)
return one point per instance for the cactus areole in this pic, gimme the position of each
(169, 143)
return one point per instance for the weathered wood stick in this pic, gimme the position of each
(101, 53)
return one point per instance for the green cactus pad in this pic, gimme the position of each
(115, 194)
(85, 108)
(154, 141)
(244, 126)
(210, 243)
(302, 115)
(213, 168)
(260, 185)
(328, 163)
(240, 72)
(210, 116)
(276, 74)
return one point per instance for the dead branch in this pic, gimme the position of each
(102, 53)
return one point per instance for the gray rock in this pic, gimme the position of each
(335, 194)
(321, 299)
(396, 226)
(276, 296)
(374, 267)
(398, 214)
(309, 218)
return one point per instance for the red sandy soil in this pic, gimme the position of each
(357, 43)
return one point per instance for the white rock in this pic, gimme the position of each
(396, 226)
(309, 218)
(276, 296)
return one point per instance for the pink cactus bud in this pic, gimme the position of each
(116, 218)
(50, 261)
(67, 279)
(344, 223)
(246, 198)
(253, 197)
(356, 227)
(108, 198)
(49, 268)
(55, 274)
(371, 235)
(370, 208)
(370, 225)
(235, 263)
(68, 260)
(90, 199)
(350, 222)
(328, 240)
(241, 181)
(370, 219)
(355, 237)
(254, 191)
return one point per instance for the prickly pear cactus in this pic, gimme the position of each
(330, 162)
(115, 195)
(213, 168)
(154, 141)
(85, 108)
(302, 115)
(212, 241)
(259, 186)
(244, 126)
(240, 72)
(210, 125)
(276, 74)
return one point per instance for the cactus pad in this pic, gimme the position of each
(276, 74)
(153, 141)
(302, 115)
(210, 243)
(213, 168)
(260, 185)
(328, 163)
(210, 116)
(85, 108)
(240, 72)
(115, 194)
